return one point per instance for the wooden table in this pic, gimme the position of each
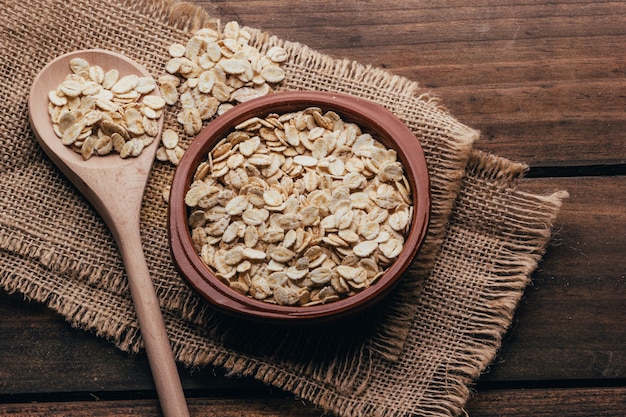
(545, 82)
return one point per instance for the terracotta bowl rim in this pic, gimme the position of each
(372, 118)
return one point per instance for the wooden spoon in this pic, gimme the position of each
(115, 187)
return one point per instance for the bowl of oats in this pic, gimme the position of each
(299, 206)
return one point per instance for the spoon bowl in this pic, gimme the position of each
(87, 175)
(115, 187)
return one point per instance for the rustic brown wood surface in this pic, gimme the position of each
(545, 82)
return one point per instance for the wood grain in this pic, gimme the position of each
(253, 407)
(569, 325)
(543, 81)
(599, 402)
(583, 402)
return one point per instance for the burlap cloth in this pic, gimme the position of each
(420, 351)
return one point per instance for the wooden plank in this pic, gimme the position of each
(570, 402)
(569, 324)
(41, 353)
(440, 34)
(600, 402)
(555, 140)
(433, 37)
(237, 407)
(533, 122)
(541, 81)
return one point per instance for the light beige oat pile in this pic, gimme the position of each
(209, 74)
(96, 112)
(300, 208)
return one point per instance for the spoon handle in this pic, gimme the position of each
(153, 332)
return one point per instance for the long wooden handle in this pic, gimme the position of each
(153, 332)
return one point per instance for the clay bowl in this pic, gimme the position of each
(373, 119)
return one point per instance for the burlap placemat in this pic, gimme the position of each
(416, 355)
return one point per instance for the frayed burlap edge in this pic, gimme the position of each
(180, 14)
(531, 218)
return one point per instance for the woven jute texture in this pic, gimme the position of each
(416, 355)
